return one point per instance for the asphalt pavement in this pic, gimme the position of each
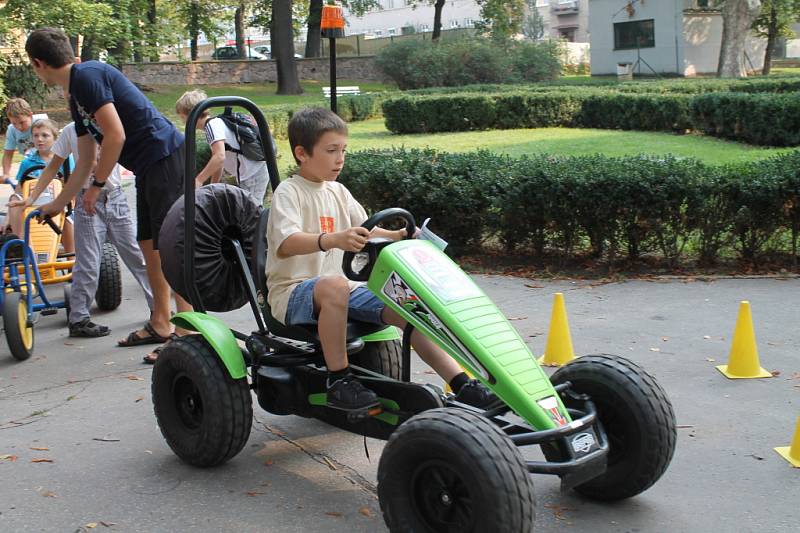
(80, 448)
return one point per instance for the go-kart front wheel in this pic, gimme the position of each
(637, 416)
(204, 414)
(449, 470)
(19, 333)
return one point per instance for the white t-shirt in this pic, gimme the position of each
(216, 130)
(300, 205)
(67, 143)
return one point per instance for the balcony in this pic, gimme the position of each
(568, 7)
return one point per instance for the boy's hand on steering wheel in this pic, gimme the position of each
(351, 239)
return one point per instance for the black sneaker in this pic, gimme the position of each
(349, 394)
(87, 328)
(476, 394)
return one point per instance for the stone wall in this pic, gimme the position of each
(215, 72)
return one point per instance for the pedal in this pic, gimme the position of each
(49, 311)
(361, 414)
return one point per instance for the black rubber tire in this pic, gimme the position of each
(464, 455)
(67, 296)
(109, 289)
(204, 414)
(637, 417)
(14, 310)
(383, 357)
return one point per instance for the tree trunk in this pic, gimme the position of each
(313, 37)
(437, 19)
(194, 29)
(238, 22)
(737, 16)
(772, 36)
(152, 32)
(87, 50)
(73, 41)
(282, 38)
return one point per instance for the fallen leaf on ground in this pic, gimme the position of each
(558, 509)
(139, 399)
(518, 318)
(665, 339)
(655, 349)
(91, 525)
(775, 372)
(754, 456)
(8, 457)
(795, 375)
(108, 363)
(40, 448)
(135, 378)
(531, 286)
(48, 494)
(69, 344)
(706, 336)
(254, 493)
(107, 524)
(711, 360)
(42, 460)
(366, 512)
(105, 439)
(334, 513)
(268, 462)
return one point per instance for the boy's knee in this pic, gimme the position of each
(332, 291)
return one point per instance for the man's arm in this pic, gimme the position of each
(44, 180)
(86, 154)
(113, 140)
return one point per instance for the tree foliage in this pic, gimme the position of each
(502, 19)
(533, 25)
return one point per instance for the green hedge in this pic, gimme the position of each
(676, 209)
(763, 119)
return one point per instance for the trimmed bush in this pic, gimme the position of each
(609, 207)
(764, 119)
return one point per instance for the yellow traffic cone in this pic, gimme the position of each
(743, 359)
(558, 350)
(792, 453)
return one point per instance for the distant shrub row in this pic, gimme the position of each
(679, 209)
(755, 118)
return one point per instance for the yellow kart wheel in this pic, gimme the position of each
(15, 319)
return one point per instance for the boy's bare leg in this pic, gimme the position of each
(331, 296)
(182, 306)
(68, 237)
(159, 318)
(435, 357)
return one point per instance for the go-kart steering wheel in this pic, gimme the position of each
(371, 222)
(28, 171)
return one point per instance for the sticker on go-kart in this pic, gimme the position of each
(550, 405)
(401, 294)
(447, 281)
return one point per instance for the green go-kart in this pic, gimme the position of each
(604, 425)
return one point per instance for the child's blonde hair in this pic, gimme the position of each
(18, 107)
(188, 101)
(46, 123)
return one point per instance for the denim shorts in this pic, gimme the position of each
(364, 306)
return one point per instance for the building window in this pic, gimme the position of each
(632, 35)
(568, 34)
(391, 31)
(378, 33)
(468, 23)
(424, 27)
(454, 24)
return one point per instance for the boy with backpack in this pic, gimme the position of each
(235, 146)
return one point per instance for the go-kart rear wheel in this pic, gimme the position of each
(204, 414)
(19, 333)
(637, 417)
(383, 357)
(449, 470)
(109, 288)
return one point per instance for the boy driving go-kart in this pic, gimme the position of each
(313, 221)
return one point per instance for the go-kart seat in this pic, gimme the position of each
(302, 333)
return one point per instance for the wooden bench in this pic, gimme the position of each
(341, 91)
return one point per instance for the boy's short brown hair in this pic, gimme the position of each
(46, 123)
(51, 46)
(189, 100)
(311, 123)
(18, 107)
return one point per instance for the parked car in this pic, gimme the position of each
(230, 52)
(267, 51)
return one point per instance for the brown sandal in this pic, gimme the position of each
(150, 358)
(134, 339)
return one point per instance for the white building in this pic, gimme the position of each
(563, 19)
(663, 36)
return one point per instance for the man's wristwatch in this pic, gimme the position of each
(98, 184)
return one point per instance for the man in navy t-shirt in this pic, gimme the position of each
(109, 110)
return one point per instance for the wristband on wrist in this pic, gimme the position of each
(98, 184)
(319, 243)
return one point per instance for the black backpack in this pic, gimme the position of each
(247, 135)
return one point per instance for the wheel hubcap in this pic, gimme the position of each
(441, 498)
(188, 401)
